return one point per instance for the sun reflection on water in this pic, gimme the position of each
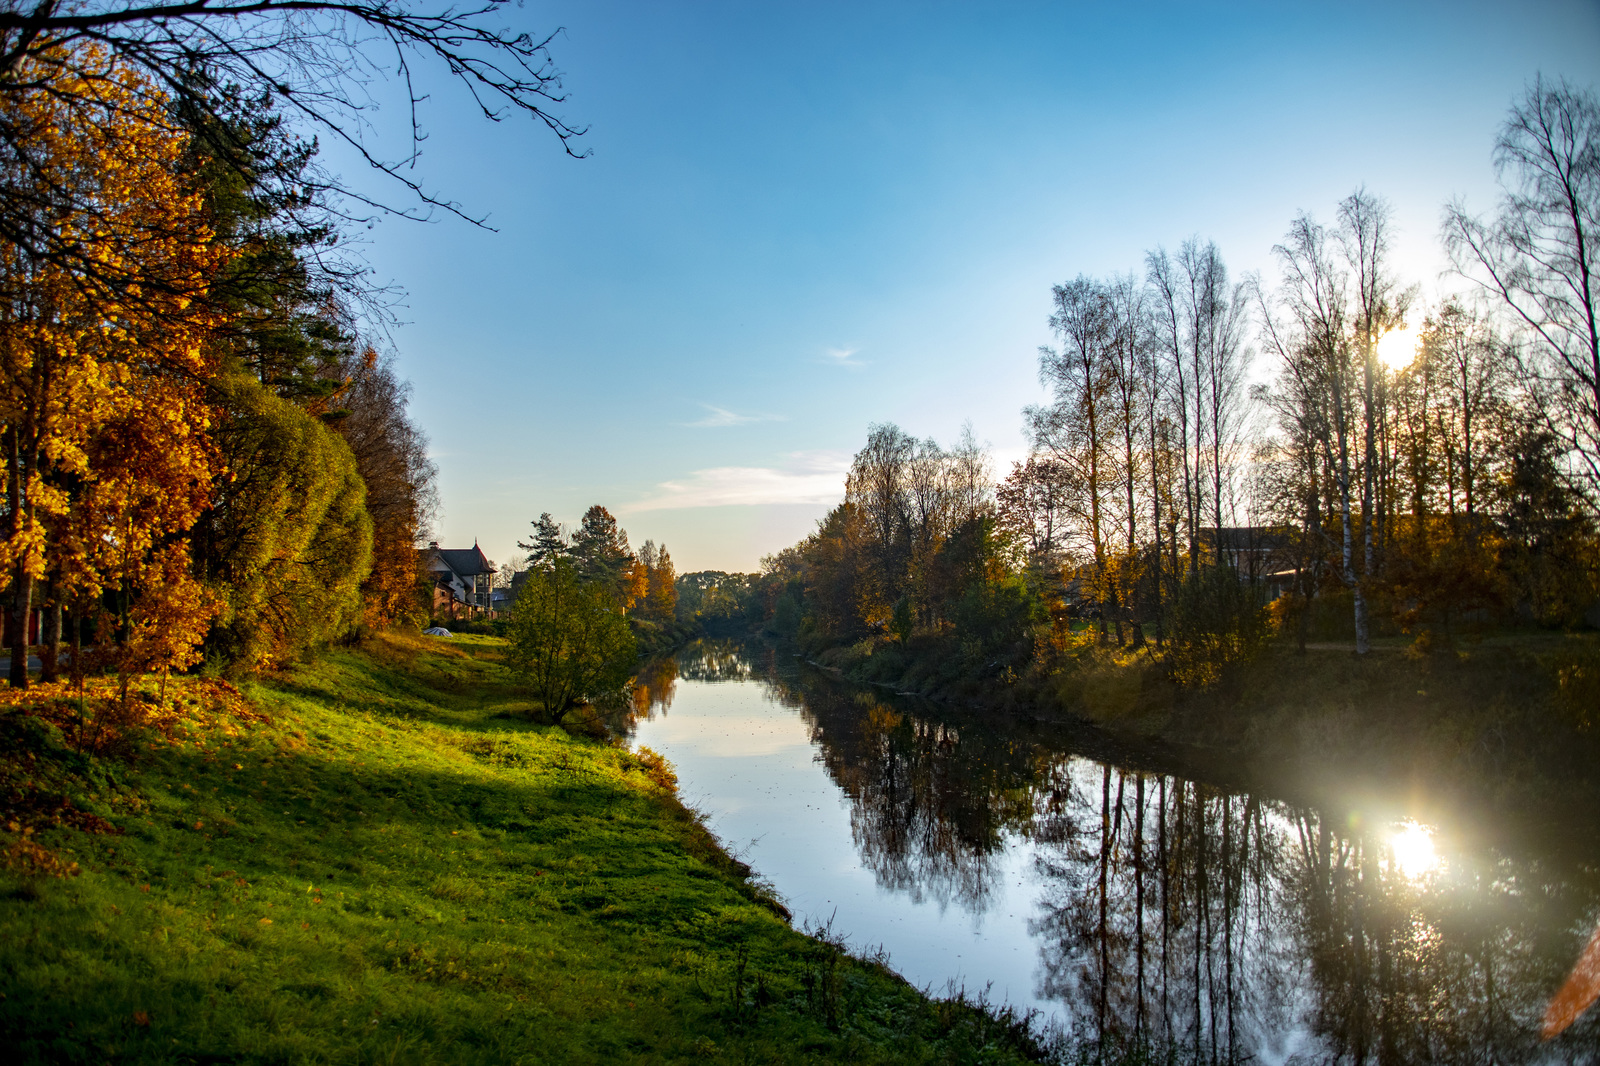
(1414, 854)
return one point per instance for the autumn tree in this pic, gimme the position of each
(656, 592)
(932, 501)
(391, 457)
(191, 63)
(1294, 468)
(877, 485)
(1472, 368)
(1131, 350)
(1378, 304)
(106, 455)
(1326, 357)
(1198, 322)
(1076, 428)
(1033, 504)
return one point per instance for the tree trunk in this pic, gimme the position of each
(50, 637)
(1369, 518)
(1347, 545)
(21, 608)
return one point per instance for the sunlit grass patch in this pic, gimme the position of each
(381, 859)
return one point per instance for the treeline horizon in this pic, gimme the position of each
(1162, 495)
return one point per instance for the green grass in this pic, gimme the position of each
(394, 866)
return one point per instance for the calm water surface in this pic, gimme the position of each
(1116, 899)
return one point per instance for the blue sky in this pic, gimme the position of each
(800, 219)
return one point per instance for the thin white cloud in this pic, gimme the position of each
(842, 357)
(811, 478)
(721, 416)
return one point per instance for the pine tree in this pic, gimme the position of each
(549, 543)
(600, 550)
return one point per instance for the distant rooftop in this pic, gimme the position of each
(467, 562)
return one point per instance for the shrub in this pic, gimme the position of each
(1217, 621)
(288, 540)
(997, 619)
(569, 639)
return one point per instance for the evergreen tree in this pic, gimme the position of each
(600, 550)
(549, 543)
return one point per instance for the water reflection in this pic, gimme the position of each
(1414, 853)
(1169, 911)
(657, 680)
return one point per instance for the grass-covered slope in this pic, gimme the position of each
(389, 865)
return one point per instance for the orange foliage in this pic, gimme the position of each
(635, 584)
(102, 387)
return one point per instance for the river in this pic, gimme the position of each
(1039, 865)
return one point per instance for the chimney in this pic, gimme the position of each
(433, 544)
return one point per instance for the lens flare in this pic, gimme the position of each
(1414, 855)
(1398, 347)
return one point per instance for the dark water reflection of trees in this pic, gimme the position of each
(1234, 926)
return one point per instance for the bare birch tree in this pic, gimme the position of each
(1536, 259)
(1201, 322)
(1315, 295)
(1379, 304)
(1129, 353)
(1076, 429)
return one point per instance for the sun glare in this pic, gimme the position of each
(1413, 850)
(1398, 347)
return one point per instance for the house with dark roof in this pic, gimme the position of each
(1257, 553)
(463, 580)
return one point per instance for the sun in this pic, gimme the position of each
(1413, 850)
(1398, 347)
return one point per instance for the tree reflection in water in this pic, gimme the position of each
(931, 804)
(1228, 926)
(657, 679)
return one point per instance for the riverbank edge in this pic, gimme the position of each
(680, 953)
(1506, 725)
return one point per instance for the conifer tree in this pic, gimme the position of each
(599, 549)
(548, 544)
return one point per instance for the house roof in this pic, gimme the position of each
(465, 562)
(1248, 538)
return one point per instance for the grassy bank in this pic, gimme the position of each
(1506, 719)
(376, 859)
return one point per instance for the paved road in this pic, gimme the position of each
(33, 664)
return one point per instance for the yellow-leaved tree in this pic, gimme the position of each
(104, 418)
